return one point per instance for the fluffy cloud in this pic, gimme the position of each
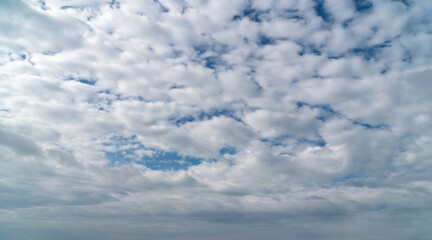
(215, 119)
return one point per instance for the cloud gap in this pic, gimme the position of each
(363, 5)
(86, 81)
(129, 150)
(330, 113)
(206, 115)
(322, 12)
(372, 52)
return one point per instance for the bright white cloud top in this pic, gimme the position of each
(215, 119)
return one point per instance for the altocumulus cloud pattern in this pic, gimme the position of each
(215, 119)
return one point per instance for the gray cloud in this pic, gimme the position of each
(19, 144)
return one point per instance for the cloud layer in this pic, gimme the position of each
(196, 119)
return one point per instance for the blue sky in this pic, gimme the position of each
(205, 119)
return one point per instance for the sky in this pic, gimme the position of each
(215, 119)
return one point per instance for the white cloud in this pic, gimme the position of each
(215, 119)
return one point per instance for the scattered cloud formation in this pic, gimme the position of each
(197, 119)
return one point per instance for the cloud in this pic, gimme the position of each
(19, 144)
(215, 119)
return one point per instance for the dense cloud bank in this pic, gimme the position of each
(195, 119)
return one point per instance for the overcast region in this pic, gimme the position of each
(215, 119)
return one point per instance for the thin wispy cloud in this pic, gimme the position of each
(130, 119)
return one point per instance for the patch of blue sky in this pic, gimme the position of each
(277, 141)
(86, 81)
(200, 49)
(227, 150)
(112, 97)
(68, 7)
(237, 18)
(290, 14)
(117, 96)
(210, 55)
(363, 5)
(180, 121)
(217, 113)
(265, 40)
(372, 52)
(121, 141)
(169, 161)
(371, 126)
(176, 86)
(315, 51)
(118, 158)
(308, 49)
(301, 104)
(320, 11)
(329, 112)
(212, 62)
(100, 102)
(336, 56)
(215, 48)
(320, 142)
(126, 149)
(202, 115)
(284, 140)
(254, 15)
(75, 7)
